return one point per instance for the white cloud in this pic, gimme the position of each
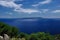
(11, 0)
(17, 7)
(42, 3)
(26, 20)
(26, 10)
(56, 11)
(8, 16)
(45, 2)
(8, 13)
(10, 4)
(45, 10)
(7, 0)
(58, 6)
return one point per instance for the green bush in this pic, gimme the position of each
(7, 29)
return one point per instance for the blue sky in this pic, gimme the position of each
(29, 8)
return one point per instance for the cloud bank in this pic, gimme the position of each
(17, 7)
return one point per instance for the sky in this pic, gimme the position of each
(29, 8)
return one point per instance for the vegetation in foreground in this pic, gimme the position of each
(15, 35)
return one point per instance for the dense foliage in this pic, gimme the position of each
(14, 33)
(7, 29)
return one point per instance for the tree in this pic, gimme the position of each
(57, 37)
(7, 29)
(13, 32)
(33, 37)
(22, 35)
(45, 36)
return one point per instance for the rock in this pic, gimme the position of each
(6, 37)
(19, 38)
(1, 37)
(14, 38)
(23, 39)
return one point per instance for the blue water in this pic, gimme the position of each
(32, 25)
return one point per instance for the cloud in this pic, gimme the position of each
(27, 10)
(9, 4)
(56, 11)
(8, 17)
(9, 13)
(26, 20)
(45, 2)
(17, 7)
(42, 3)
(11, 0)
(45, 10)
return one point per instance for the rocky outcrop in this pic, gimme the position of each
(6, 37)
(1, 37)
